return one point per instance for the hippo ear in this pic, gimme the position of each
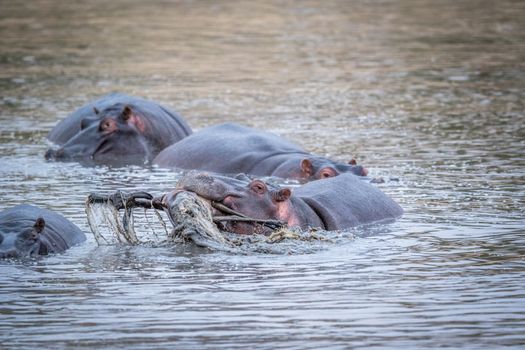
(306, 167)
(132, 118)
(95, 109)
(352, 162)
(39, 225)
(282, 195)
(126, 113)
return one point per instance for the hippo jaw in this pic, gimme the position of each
(107, 138)
(117, 147)
(223, 216)
(27, 250)
(236, 198)
(24, 244)
(228, 221)
(7, 246)
(14, 252)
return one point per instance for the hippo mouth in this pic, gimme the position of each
(223, 217)
(229, 220)
(14, 253)
(221, 192)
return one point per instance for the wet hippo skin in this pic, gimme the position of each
(336, 203)
(232, 148)
(116, 129)
(26, 230)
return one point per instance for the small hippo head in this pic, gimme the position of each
(22, 244)
(115, 135)
(253, 198)
(316, 168)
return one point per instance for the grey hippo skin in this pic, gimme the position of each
(232, 148)
(27, 231)
(337, 203)
(116, 130)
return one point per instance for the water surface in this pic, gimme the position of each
(430, 93)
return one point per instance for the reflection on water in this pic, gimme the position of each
(427, 92)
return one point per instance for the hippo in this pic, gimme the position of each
(232, 148)
(28, 231)
(116, 130)
(336, 203)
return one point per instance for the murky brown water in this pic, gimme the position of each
(428, 92)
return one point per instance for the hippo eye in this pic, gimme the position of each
(258, 187)
(327, 172)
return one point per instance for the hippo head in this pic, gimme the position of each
(253, 198)
(114, 135)
(23, 244)
(315, 168)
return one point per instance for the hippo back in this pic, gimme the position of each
(58, 235)
(346, 201)
(170, 122)
(225, 148)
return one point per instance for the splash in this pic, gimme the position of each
(193, 223)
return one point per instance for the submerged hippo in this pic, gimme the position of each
(231, 148)
(333, 204)
(27, 231)
(116, 129)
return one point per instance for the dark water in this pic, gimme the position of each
(429, 92)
